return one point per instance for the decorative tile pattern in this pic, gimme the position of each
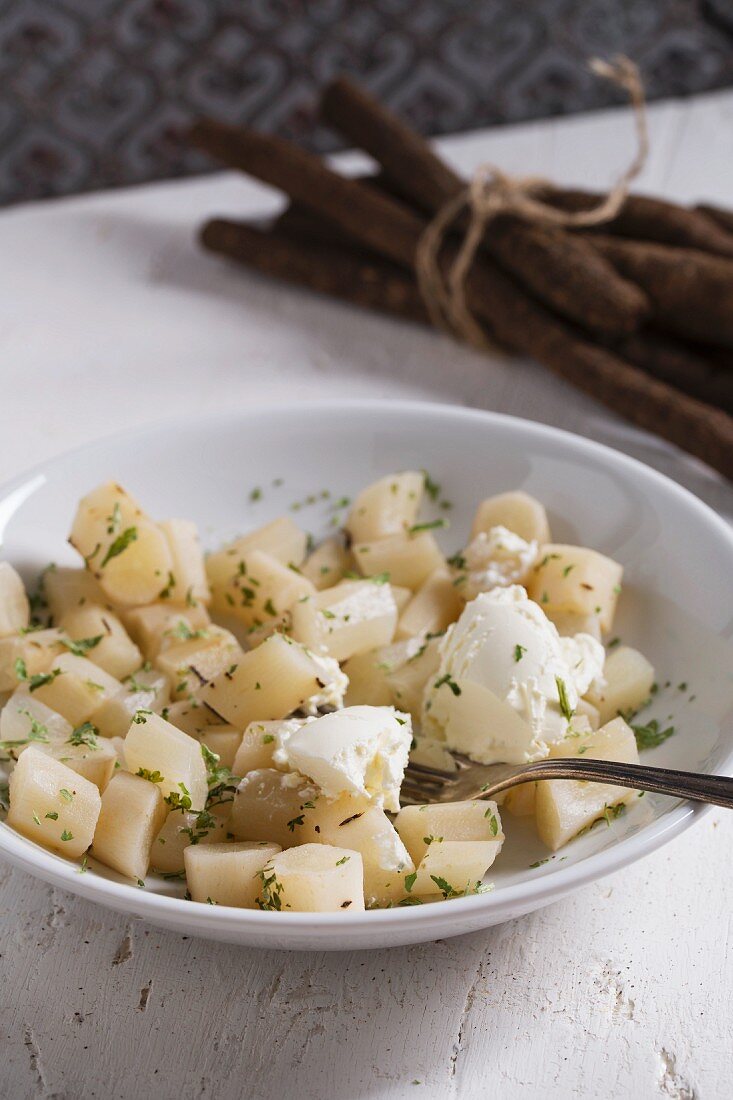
(95, 93)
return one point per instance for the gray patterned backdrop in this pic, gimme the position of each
(95, 93)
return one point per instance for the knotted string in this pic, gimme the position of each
(492, 192)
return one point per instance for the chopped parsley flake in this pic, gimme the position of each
(81, 646)
(120, 544)
(519, 652)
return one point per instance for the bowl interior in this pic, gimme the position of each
(677, 606)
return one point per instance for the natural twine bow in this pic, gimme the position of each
(492, 192)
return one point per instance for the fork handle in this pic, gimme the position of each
(715, 789)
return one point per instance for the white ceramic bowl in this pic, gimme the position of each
(677, 606)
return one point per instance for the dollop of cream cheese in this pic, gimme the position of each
(495, 559)
(359, 750)
(497, 694)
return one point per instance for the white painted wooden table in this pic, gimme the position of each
(109, 318)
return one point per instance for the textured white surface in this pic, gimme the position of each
(110, 318)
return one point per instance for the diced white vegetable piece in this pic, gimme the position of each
(354, 751)
(351, 618)
(569, 624)
(408, 559)
(195, 662)
(367, 673)
(432, 609)
(223, 740)
(14, 607)
(192, 716)
(520, 801)
(565, 807)
(68, 589)
(94, 759)
(115, 652)
(328, 564)
(409, 680)
(147, 689)
(421, 826)
(262, 589)
(386, 507)
(629, 678)
(180, 829)
(269, 805)
(281, 539)
(517, 511)
(133, 812)
(260, 740)
(269, 682)
(34, 652)
(431, 753)
(190, 584)
(160, 624)
(228, 874)
(122, 547)
(578, 580)
(51, 804)
(77, 688)
(455, 867)
(360, 826)
(313, 878)
(25, 719)
(154, 745)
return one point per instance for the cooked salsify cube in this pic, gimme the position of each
(261, 589)
(76, 687)
(386, 507)
(454, 867)
(435, 605)
(629, 679)
(354, 822)
(51, 804)
(180, 829)
(566, 807)
(155, 747)
(68, 589)
(92, 757)
(344, 621)
(578, 580)
(367, 673)
(146, 689)
(97, 633)
(518, 512)
(407, 559)
(270, 681)
(192, 716)
(431, 753)
(224, 741)
(121, 546)
(228, 874)
(28, 655)
(420, 826)
(569, 623)
(521, 801)
(14, 607)
(188, 583)
(189, 664)
(270, 805)
(313, 878)
(408, 680)
(132, 814)
(25, 719)
(154, 626)
(328, 564)
(281, 539)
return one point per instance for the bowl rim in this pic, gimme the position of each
(554, 882)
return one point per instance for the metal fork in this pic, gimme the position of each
(470, 780)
